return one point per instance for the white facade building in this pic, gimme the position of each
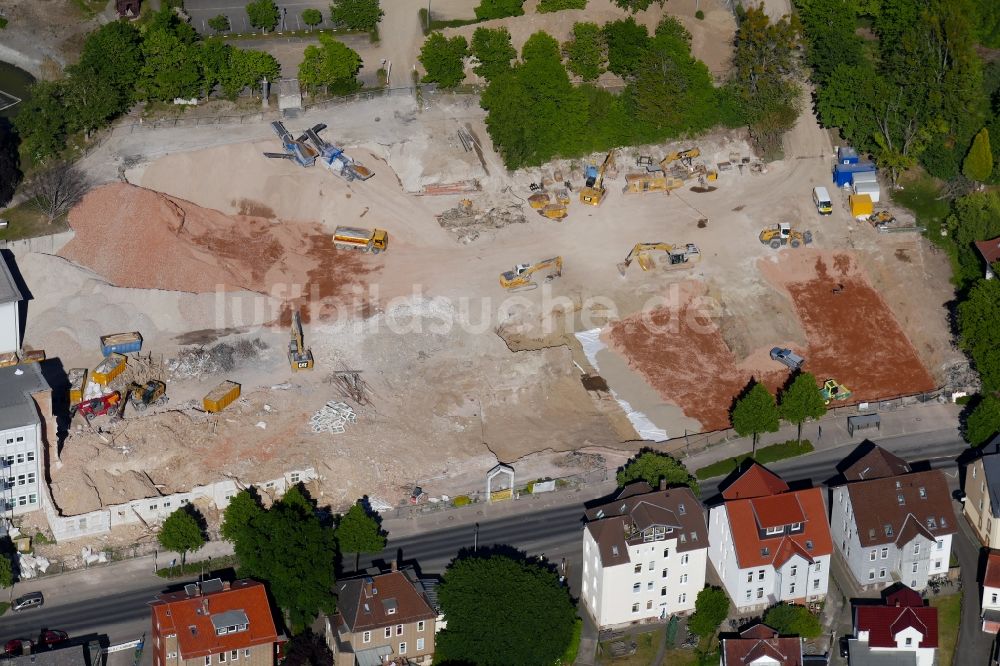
(10, 314)
(644, 555)
(25, 428)
(903, 627)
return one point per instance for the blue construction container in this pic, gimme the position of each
(843, 174)
(121, 343)
(847, 155)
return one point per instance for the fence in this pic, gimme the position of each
(47, 244)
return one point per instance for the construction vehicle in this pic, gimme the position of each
(651, 181)
(686, 157)
(678, 256)
(832, 390)
(334, 159)
(521, 278)
(366, 240)
(296, 150)
(299, 356)
(109, 403)
(783, 234)
(881, 219)
(554, 211)
(593, 194)
(153, 392)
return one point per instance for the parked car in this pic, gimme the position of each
(29, 600)
(17, 646)
(788, 357)
(53, 636)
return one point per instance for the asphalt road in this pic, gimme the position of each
(120, 609)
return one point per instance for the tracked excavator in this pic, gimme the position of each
(678, 256)
(593, 195)
(521, 278)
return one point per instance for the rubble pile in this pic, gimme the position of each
(466, 221)
(333, 418)
(222, 357)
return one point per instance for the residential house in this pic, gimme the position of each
(901, 631)
(769, 543)
(26, 427)
(989, 250)
(644, 555)
(760, 645)
(10, 310)
(991, 593)
(982, 494)
(67, 653)
(215, 622)
(893, 524)
(386, 618)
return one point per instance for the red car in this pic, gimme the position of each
(53, 636)
(18, 646)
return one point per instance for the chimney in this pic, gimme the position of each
(225, 586)
(369, 584)
(393, 567)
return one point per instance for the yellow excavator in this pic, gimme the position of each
(521, 278)
(678, 256)
(593, 193)
(299, 357)
(685, 156)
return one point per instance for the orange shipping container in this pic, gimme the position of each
(221, 396)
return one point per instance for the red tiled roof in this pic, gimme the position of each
(991, 578)
(777, 510)
(990, 249)
(755, 481)
(190, 618)
(805, 505)
(759, 641)
(884, 622)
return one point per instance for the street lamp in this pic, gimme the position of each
(284, 13)
(475, 543)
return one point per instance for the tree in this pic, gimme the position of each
(247, 68)
(545, 6)
(57, 188)
(263, 14)
(182, 531)
(800, 401)
(312, 17)
(356, 14)
(793, 620)
(41, 121)
(978, 163)
(652, 467)
(331, 65)
(627, 45)
(979, 334)
(443, 58)
(983, 422)
(586, 53)
(170, 68)
(540, 46)
(307, 649)
(710, 609)
(494, 9)
(292, 551)
(493, 50)
(6, 571)
(755, 412)
(219, 23)
(113, 56)
(831, 38)
(358, 532)
(528, 619)
(236, 518)
(92, 100)
(10, 164)
(636, 5)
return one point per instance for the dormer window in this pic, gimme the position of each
(809, 544)
(614, 551)
(923, 492)
(683, 538)
(680, 509)
(771, 531)
(944, 522)
(932, 522)
(796, 527)
(900, 499)
(765, 551)
(600, 513)
(898, 485)
(888, 529)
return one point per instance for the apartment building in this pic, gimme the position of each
(760, 645)
(10, 310)
(26, 427)
(982, 494)
(990, 604)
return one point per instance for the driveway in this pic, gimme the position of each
(974, 646)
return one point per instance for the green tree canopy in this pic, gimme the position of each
(331, 65)
(219, 23)
(792, 620)
(92, 101)
(312, 17)
(170, 68)
(979, 333)
(540, 46)
(755, 412)
(586, 53)
(636, 5)
(978, 163)
(503, 611)
(444, 59)
(291, 550)
(183, 531)
(263, 14)
(242, 509)
(358, 532)
(710, 609)
(627, 43)
(494, 9)
(801, 400)
(356, 14)
(652, 467)
(10, 162)
(41, 121)
(493, 50)
(246, 68)
(975, 217)
(6, 571)
(113, 55)
(983, 422)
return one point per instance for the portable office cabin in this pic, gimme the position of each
(871, 189)
(861, 205)
(847, 155)
(864, 177)
(843, 174)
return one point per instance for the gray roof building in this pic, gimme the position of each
(17, 383)
(88, 654)
(991, 468)
(9, 292)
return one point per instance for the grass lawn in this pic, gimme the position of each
(768, 454)
(24, 221)
(574, 644)
(681, 657)
(949, 613)
(646, 647)
(922, 195)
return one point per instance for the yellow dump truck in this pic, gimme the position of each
(221, 396)
(366, 240)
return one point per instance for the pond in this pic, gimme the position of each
(14, 84)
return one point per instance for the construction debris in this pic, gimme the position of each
(333, 418)
(222, 357)
(467, 222)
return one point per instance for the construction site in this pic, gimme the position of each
(395, 309)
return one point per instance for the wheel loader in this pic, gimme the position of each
(153, 392)
(783, 234)
(521, 277)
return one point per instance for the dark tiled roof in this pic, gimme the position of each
(17, 383)
(371, 602)
(901, 610)
(755, 481)
(876, 464)
(990, 249)
(760, 641)
(895, 509)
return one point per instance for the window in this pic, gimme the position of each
(666, 552)
(816, 583)
(649, 586)
(20, 458)
(684, 579)
(402, 648)
(680, 509)
(771, 531)
(937, 564)
(635, 608)
(871, 574)
(22, 500)
(923, 492)
(171, 655)
(887, 528)
(649, 605)
(234, 655)
(388, 632)
(20, 479)
(420, 644)
(796, 527)
(636, 587)
(749, 576)
(246, 652)
(900, 499)
(916, 549)
(399, 630)
(760, 593)
(885, 553)
(684, 558)
(791, 588)
(166, 505)
(795, 570)
(650, 566)
(914, 567)
(421, 625)
(20, 438)
(683, 598)
(664, 574)
(748, 595)
(31, 477)
(30, 456)
(871, 556)
(294, 477)
(153, 507)
(909, 641)
(208, 660)
(760, 575)
(222, 657)
(637, 568)
(32, 498)
(993, 598)
(818, 565)
(881, 572)
(365, 638)
(663, 591)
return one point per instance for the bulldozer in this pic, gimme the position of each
(153, 392)
(832, 390)
(783, 234)
(299, 357)
(686, 157)
(678, 256)
(593, 195)
(521, 277)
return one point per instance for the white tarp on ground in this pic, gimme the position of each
(592, 344)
